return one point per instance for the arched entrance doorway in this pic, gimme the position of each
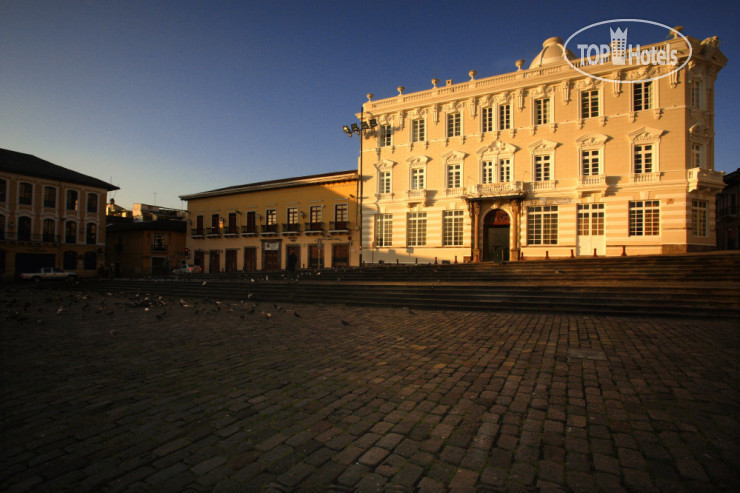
(496, 231)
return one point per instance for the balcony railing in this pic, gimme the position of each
(27, 237)
(501, 189)
(270, 229)
(291, 228)
(705, 179)
(339, 226)
(645, 177)
(250, 230)
(231, 231)
(313, 228)
(159, 248)
(214, 231)
(197, 233)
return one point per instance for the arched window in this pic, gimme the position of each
(70, 232)
(92, 202)
(91, 233)
(49, 231)
(25, 193)
(71, 200)
(24, 228)
(69, 261)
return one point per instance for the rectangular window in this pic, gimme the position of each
(384, 182)
(696, 155)
(92, 202)
(590, 163)
(50, 197)
(454, 127)
(696, 94)
(159, 243)
(644, 218)
(699, 218)
(487, 114)
(643, 159)
(3, 190)
(418, 179)
(49, 230)
(591, 219)
(71, 200)
(341, 212)
(232, 223)
(25, 194)
(383, 230)
(487, 172)
(453, 228)
(417, 229)
(642, 96)
(542, 112)
(589, 104)
(418, 130)
(271, 217)
(504, 117)
(542, 225)
(504, 170)
(315, 216)
(292, 215)
(199, 229)
(454, 175)
(385, 135)
(542, 168)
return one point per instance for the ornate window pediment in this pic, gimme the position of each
(645, 135)
(454, 106)
(418, 161)
(453, 157)
(543, 146)
(418, 113)
(496, 148)
(700, 133)
(592, 140)
(385, 165)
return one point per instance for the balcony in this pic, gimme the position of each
(417, 195)
(592, 183)
(314, 228)
(544, 185)
(231, 232)
(291, 228)
(159, 248)
(197, 233)
(645, 177)
(705, 180)
(503, 189)
(250, 230)
(454, 192)
(30, 238)
(269, 230)
(339, 227)
(214, 232)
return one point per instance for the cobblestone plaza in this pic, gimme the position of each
(104, 392)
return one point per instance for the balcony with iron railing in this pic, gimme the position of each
(250, 230)
(339, 226)
(314, 228)
(214, 231)
(23, 236)
(231, 231)
(197, 233)
(269, 229)
(291, 228)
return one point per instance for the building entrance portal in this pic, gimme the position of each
(496, 231)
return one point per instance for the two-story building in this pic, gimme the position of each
(546, 161)
(260, 226)
(143, 248)
(50, 216)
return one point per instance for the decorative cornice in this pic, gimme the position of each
(543, 146)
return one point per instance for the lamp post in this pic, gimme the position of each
(351, 130)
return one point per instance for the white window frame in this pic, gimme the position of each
(488, 169)
(418, 130)
(453, 128)
(590, 104)
(504, 167)
(452, 228)
(416, 229)
(696, 94)
(487, 119)
(697, 155)
(652, 95)
(418, 178)
(699, 218)
(453, 175)
(385, 182)
(542, 111)
(385, 135)
(642, 137)
(638, 213)
(542, 225)
(508, 117)
(590, 219)
(383, 236)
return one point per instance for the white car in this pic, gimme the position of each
(187, 269)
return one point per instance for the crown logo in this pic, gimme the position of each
(618, 45)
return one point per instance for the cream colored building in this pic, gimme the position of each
(257, 226)
(545, 161)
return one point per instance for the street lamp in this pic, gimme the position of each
(350, 130)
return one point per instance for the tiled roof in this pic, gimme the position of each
(28, 165)
(276, 184)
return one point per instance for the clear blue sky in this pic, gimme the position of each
(170, 98)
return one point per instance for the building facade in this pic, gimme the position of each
(50, 216)
(728, 213)
(261, 226)
(144, 248)
(545, 162)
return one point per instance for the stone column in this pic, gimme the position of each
(516, 234)
(476, 234)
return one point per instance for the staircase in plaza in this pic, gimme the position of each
(701, 285)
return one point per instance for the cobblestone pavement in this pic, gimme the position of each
(111, 393)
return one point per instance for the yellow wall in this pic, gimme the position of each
(327, 195)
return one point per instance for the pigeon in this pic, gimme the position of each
(204, 283)
(266, 315)
(344, 322)
(295, 314)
